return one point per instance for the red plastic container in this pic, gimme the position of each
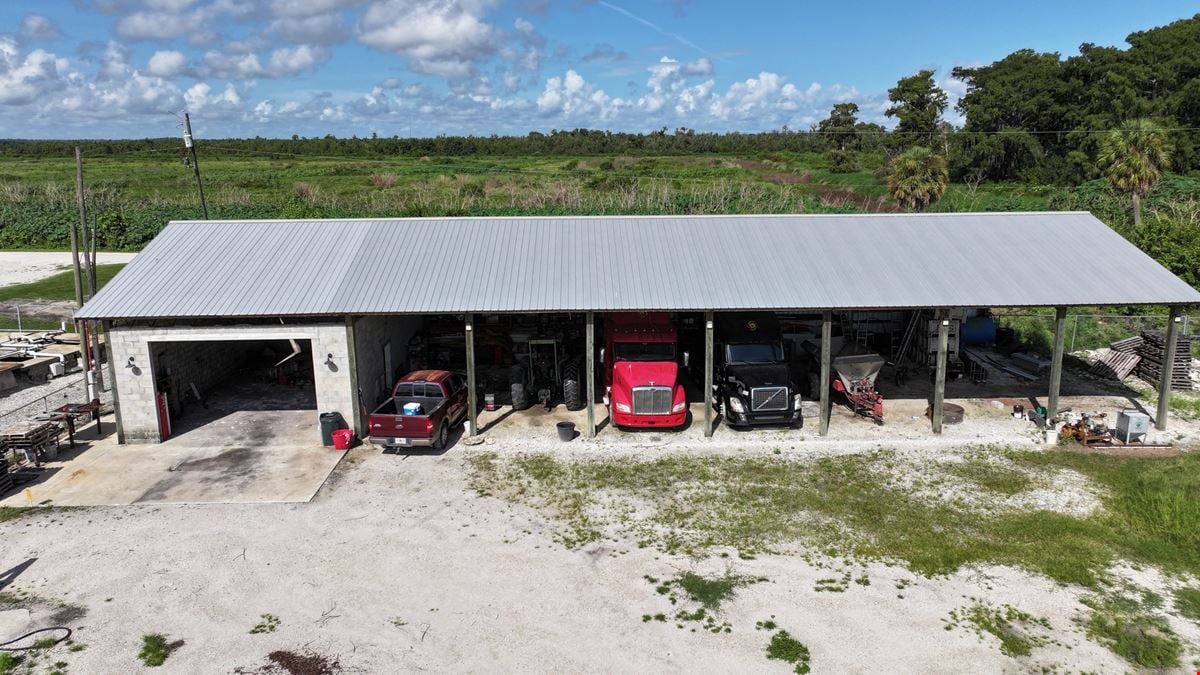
(342, 439)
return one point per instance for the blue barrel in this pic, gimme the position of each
(978, 330)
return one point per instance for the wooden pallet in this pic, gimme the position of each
(1115, 365)
(1153, 349)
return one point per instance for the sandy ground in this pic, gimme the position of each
(397, 566)
(20, 267)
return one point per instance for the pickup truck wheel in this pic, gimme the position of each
(443, 436)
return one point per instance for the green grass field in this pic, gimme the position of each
(60, 286)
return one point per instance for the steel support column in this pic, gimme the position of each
(1168, 366)
(936, 411)
(1056, 363)
(472, 403)
(708, 374)
(590, 373)
(826, 369)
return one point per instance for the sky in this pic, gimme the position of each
(274, 68)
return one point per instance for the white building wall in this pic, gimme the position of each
(138, 417)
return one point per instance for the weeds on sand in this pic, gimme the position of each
(267, 624)
(1187, 603)
(1126, 627)
(784, 647)
(156, 649)
(990, 476)
(854, 506)
(699, 598)
(1014, 628)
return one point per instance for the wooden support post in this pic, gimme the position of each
(589, 372)
(939, 380)
(826, 370)
(708, 374)
(472, 403)
(1056, 363)
(1168, 368)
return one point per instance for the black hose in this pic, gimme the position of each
(5, 648)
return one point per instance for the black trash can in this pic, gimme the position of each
(331, 422)
(566, 431)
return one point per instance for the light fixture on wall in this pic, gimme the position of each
(129, 363)
(329, 360)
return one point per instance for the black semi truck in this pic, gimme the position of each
(752, 378)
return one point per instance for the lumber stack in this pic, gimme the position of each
(1152, 352)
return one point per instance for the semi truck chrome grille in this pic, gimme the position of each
(765, 399)
(651, 400)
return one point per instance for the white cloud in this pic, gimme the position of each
(38, 27)
(26, 80)
(322, 29)
(169, 5)
(166, 63)
(282, 62)
(200, 96)
(439, 37)
(572, 96)
(153, 26)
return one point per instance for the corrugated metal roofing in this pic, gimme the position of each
(602, 263)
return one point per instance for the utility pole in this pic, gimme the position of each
(190, 143)
(82, 225)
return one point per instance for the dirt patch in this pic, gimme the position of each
(782, 178)
(834, 195)
(283, 661)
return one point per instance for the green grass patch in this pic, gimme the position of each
(698, 598)
(268, 623)
(1187, 603)
(155, 649)
(784, 647)
(1140, 637)
(8, 513)
(1187, 407)
(855, 506)
(991, 476)
(60, 286)
(1016, 630)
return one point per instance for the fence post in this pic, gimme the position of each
(1074, 330)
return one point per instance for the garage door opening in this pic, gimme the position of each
(219, 391)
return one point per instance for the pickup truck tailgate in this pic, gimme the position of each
(413, 426)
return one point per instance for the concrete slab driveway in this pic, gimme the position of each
(244, 457)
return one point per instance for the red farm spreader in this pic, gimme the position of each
(854, 376)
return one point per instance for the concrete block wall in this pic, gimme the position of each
(372, 334)
(137, 414)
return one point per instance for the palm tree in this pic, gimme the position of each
(918, 178)
(1133, 158)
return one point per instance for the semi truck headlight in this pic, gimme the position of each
(735, 404)
(796, 400)
(623, 408)
(678, 407)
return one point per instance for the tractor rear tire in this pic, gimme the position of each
(572, 386)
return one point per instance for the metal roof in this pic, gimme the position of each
(602, 263)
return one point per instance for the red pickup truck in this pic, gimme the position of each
(424, 406)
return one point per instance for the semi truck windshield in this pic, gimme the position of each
(769, 352)
(644, 351)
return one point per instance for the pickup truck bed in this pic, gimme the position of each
(390, 428)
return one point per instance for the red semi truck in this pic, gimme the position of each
(641, 371)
